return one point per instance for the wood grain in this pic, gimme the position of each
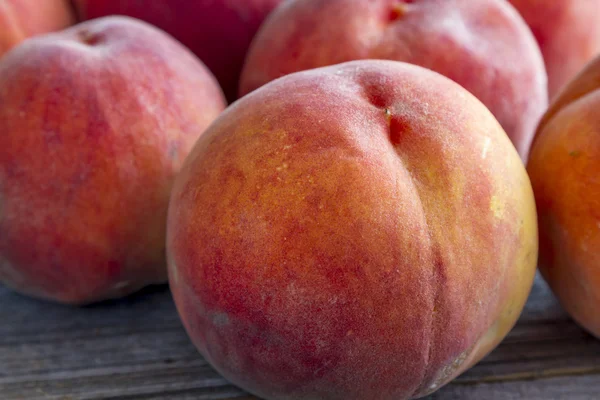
(136, 348)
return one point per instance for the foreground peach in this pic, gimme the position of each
(568, 33)
(20, 19)
(95, 121)
(360, 231)
(564, 168)
(218, 32)
(483, 45)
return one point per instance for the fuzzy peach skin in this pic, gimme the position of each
(483, 45)
(359, 231)
(95, 122)
(218, 32)
(21, 19)
(568, 33)
(564, 168)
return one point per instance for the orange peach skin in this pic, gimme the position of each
(568, 33)
(483, 45)
(564, 168)
(95, 121)
(360, 231)
(21, 19)
(219, 32)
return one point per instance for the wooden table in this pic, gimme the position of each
(136, 348)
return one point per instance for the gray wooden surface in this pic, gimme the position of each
(136, 348)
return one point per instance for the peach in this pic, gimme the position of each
(483, 45)
(564, 168)
(568, 34)
(21, 19)
(359, 231)
(218, 32)
(96, 121)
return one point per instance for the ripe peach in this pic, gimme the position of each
(359, 231)
(96, 121)
(483, 45)
(218, 32)
(564, 168)
(568, 33)
(20, 19)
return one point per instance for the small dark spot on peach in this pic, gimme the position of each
(89, 38)
(575, 153)
(399, 10)
(388, 114)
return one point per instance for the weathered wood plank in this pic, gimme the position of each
(585, 387)
(136, 348)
